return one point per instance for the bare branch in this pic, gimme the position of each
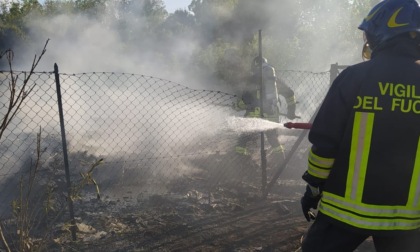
(3, 239)
(18, 95)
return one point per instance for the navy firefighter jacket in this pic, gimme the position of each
(366, 143)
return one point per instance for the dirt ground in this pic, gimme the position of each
(167, 223)
(220, 208)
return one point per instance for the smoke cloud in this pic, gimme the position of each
(120, 40)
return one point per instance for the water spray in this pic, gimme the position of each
(240, 124)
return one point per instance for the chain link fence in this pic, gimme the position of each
(134, 136)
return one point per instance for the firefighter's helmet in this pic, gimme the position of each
(256, 63)
(390, 18)
(258, 60)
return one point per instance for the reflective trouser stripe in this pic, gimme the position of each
(359, 153)
(241, 150)
(257, 114)
(414, 195)
(367, 216)
(278, 149)
(271, 118)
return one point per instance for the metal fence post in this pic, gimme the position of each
(262, 92)
(333, 72)
(65, 154)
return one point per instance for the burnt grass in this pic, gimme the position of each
(220, 208)
(231, 218)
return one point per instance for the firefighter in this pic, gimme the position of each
(363, 171)
(250, 102)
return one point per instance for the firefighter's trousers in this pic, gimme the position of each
(324, 236)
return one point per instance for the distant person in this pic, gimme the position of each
(364, 163)
(250, 101)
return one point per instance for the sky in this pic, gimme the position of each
(173, 5)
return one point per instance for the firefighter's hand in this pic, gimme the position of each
(309, 201)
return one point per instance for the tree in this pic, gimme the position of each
(11, 26)
(92, 8)
(154, 11)
(328, 31)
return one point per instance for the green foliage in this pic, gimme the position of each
(11, 21)
(53, 8)
(154, 11)
(90, 7)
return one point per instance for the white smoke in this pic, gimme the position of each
(82, 44)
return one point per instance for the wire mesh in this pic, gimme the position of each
(153, 135)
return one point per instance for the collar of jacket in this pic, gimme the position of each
(403, 46)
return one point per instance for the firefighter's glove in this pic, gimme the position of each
(310, 201)
(291, 110)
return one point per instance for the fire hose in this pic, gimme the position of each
(291, 125)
